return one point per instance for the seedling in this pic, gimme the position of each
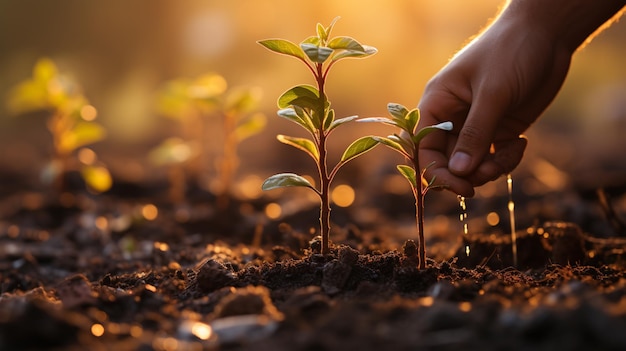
(309, 107)
(71, 124)
(407, 144)
(199, 105)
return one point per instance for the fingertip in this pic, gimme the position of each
(460, 163)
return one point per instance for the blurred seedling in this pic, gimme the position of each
(214, 121)
(309, 107)
(407, 144)
(71, 123)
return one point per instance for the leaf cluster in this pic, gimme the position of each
(309, 108)
(406, 142)
(70, 126)
(206, 96)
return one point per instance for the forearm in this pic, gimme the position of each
(571, 23)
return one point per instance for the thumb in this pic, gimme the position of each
(476, 136)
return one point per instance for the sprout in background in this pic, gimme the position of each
(407, 144)
(71, 124)
(214, 121)
(309, 107)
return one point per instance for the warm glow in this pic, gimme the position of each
(250, 187)
(86, 156)
(201, 331)
(102, 223)
(161, 246)
(342, 195)
(493, 219)
(273, 210)
(465, 306)
(97, 329)
(88, 113)
(149, 212)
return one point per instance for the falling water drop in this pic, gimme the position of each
(509, 183)
(463, 219)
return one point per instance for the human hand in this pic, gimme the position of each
(492, 91)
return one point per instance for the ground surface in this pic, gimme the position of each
(100, 273)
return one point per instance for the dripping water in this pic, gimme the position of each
(511, 206)
(463, 219)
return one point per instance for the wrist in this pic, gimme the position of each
(570, 23)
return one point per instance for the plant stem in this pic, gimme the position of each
(228, 162)
(419, 209)
(323, 169)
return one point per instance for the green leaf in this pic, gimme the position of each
(367, 51)
(392, 144)
(329, 119)
(83, 133)
(242, 100)
(315, 40)
(358, 148)
(336, 123)
(400, 123)
(251, 126)
(97, 178)
(409, 174)
(317, 54)
(303, 144)
(345, 43)
(284, 47)
(397, 110)
(446, 126)
(331, 26)
(305, 96)
(321, 32)
(290, 114)
(173, 151)
(412, 118)
(282, 180)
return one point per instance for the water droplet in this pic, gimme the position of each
(511, 206)
(463, 219)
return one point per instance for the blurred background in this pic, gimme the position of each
(121, 53)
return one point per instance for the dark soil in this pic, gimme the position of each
(95, 274)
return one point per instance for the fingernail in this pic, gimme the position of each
(459, 162)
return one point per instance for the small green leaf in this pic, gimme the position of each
(367, 51)
(173, 151)
(321, 32)
(97, 178)
(409, 174)
(306, 96)
(317, 54)
(345, 43)
(291, 115)
(83, 133)
(282, 180)
(284, 47)
(392, 144)
(400, 123)
(251, 126)
(446, 126)
(412, 118)
(329, 119)
(397, 110)
(336, 123)
(331, 26)
(315, 40)
(358, 148)
(303, 144)
(242, 100)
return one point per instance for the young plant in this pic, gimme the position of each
(199, 105)
(309, 107)
(71, 124)
(407, 144)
